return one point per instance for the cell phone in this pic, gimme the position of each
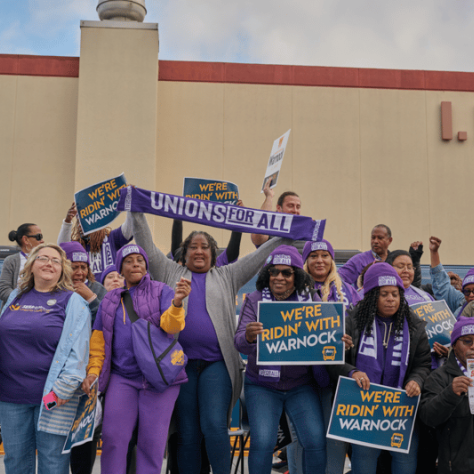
(50, 400)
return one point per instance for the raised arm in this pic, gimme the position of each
(259, 239)
(244, 269)
(160, 265)
(441, 283)
(176, 236)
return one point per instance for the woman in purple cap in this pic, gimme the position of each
(83, 279)
(111, 278)
(270, 390)
(129, 398)
(319, 262)
(390, 347)
(44, 348)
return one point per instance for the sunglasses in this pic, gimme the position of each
(467, 292)
(38, 237)
(275, 272)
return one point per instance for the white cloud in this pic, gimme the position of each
(426, 34)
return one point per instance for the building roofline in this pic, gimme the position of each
(237, 73)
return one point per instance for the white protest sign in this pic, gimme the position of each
(276, 159)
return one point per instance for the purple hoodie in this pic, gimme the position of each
(351, 270)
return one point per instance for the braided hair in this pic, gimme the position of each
(303, 281)
(367, 310)
(210, 240)
(95, 239)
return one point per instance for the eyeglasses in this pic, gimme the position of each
(467, 292)
(275, 272)
(467, 342)
(45, 259)
(38, 237)
(408, 267)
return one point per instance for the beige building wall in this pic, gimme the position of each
(357, 156)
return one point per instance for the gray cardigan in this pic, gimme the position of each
(222, 285)
(9, 276)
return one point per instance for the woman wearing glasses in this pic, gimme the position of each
(44, 347)
(442, 288)
(271, 390)
(27, 236)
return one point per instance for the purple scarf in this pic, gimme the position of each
(370, 356)
(224, 216)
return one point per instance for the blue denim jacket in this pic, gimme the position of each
(443, 290)
(68, 368)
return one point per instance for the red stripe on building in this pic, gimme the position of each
(236, 73)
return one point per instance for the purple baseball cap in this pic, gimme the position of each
(128, 250)
(285, 255)
(322, 244)
(381, 274)
(75, 252)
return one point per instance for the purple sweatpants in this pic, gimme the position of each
(126, 402)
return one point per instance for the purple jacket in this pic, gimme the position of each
(147, 304)
(291, 376)
(351, 270)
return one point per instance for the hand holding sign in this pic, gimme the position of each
(412, 389)
(71, 213)
(362, 379)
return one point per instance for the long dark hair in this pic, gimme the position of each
(210, 240)
(303, 281)
(367, 309)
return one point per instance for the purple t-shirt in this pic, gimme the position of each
(30, 330)
(351, 270)
(101, 260)
(123, 357)
(199, 338)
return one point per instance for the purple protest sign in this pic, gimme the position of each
(224, 216)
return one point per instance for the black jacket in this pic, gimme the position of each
(450, 415)
(419, 359)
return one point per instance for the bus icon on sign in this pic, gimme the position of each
(329, 353)
(397, 440)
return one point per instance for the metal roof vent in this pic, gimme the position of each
(122, 10)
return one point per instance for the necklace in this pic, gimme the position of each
(386, 337)
(285, 295)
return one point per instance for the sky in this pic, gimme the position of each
(407, 34)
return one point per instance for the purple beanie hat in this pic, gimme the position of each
(128, 250)
(75, 252)
(464, 326)
(381, 274)
(285, 255)
(322, 244)
(109, 269)
(469, 278)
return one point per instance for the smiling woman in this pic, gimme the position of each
(83, 280)
(390, 348)
(130, 399)
(44, 349)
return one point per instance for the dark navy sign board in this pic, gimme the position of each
(82, 429)
(97, 204)
(381, 417)
(300, 333)
(440, 321)
(211, 190)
